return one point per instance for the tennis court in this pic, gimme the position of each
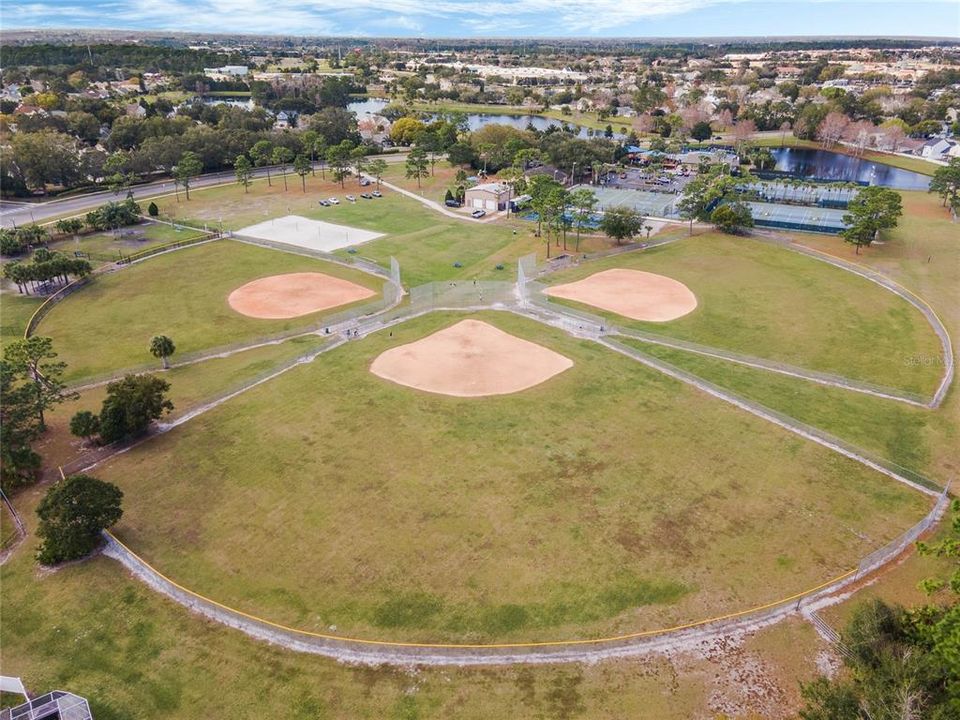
(836, 195)
(795, 217)
(646, 203)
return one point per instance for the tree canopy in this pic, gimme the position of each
(72, 515)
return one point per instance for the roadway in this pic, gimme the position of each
(14, 212)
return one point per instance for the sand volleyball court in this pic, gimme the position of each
(308, 234)
(632, 293)
(294, 294)
(470, 359)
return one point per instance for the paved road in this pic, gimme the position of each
(18, 213)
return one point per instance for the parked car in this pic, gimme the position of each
(478, 213)
(333, 201)
(376, 193)
(325, 203)
(364, 182)
(451, 203)
(366, 196)
(351, 198)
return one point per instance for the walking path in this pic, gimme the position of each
(661, 641)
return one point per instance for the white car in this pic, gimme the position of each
(478, 213)
(351, 198)
(333, 201)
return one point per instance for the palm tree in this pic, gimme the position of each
(162, 347)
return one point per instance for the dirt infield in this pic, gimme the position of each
(632, 293)
(294, 294)
(470, 359)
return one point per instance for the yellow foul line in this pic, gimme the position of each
(481, 646)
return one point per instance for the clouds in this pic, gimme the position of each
(459, 18)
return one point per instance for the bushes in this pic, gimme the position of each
(19, 240)
(114, 215)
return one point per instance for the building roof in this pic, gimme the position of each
(495, 188)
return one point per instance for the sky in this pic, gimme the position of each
(498, 18)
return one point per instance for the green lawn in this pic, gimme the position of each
(923, 255)
(8, 528)
(762, 300)
(426, 243)
(190, 386)
(15, 312)
(93, 629)
(573, 509)
(105, 247)
(892, 430)
(107, 325)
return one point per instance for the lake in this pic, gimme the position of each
(826, 165)
(478, 120)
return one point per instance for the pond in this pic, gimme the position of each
(478, 120)
(826, 165)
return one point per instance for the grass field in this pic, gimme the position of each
(892, 430)
(190, 386)
(426, 244)
(102, 248)
(107, 325)
(98, 632)
(762, 300)
(92, 629)
(15, 312)
(531, 515)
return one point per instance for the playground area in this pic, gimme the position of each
(309, 234)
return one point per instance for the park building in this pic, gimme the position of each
(488, 196)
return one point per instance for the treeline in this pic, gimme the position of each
(67, 59)
(46, 267)
(144, 147)
(112, 215)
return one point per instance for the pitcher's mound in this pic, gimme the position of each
(470, 359)
(287, 296)
(632, 293)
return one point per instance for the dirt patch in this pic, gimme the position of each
(632, 293)
(294, 294)
(470, 359)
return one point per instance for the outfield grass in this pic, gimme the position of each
(762, 300)
(190, 386)
(892, 430)
(15, 311)
(923, 255)
(92, 629)
(572, 509)
(107, 325)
